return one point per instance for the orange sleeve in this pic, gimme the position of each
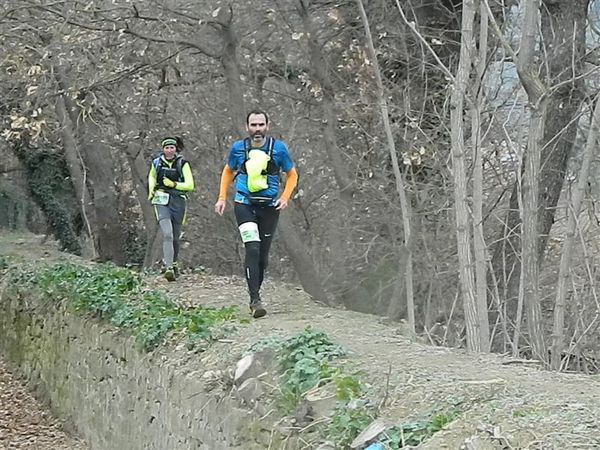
(290, 183)
(226, 179)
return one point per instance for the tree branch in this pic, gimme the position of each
(127, 30)
(413, 27)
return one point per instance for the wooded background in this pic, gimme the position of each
(447, 149)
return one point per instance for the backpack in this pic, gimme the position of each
(272, 168)
(158, 162)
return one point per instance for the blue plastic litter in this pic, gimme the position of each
(375, 446)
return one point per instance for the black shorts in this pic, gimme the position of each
(265, 216)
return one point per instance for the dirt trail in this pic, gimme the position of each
(504, 404)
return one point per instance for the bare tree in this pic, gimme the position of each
(76, 167)
(404, 204)
(96, 164)
(479, 245)
(560, 32)
(476, 337)
(569, 242)
(320, 69)
(538, 99)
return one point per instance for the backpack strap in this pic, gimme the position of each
(247, 147)
(270, 147)
(179, 162)
(272, 168)
(156, 162)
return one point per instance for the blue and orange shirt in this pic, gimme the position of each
(280, 157)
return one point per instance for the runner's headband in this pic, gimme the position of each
(168, 141)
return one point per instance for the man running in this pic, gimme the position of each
(255, 163)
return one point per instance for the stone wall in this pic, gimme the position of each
(116, 396)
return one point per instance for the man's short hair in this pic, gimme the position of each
(255, 112)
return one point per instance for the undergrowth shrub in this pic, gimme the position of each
(308, 360)
(116, 295)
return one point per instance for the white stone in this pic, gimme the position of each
(252, 366)
(368, 434)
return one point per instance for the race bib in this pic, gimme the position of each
(249, 232)
(160, 198)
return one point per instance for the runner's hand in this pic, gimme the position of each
(220, 207)
(169, 183)
(281, 203)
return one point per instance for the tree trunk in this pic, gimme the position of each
(558, 337)
(232, 71)
(337, 232)
(563, 31)
(480, 248)
(111, 238)
(537, 93)
(404, 204)
(529, 293)
(77, 170)
(131, 126)
(301, 259)
(476, 337)
(97, 164)
(319, 67)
